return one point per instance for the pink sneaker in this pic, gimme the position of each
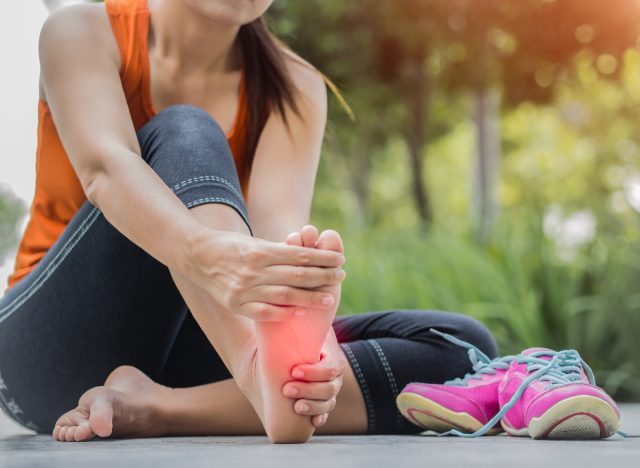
(464, 404)
(552, 395)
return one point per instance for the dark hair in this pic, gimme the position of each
(267, 81)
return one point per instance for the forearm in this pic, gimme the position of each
(135, 200)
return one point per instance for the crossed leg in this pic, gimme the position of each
(132, 404)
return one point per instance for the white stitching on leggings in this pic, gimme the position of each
(53, 263)
(37, 284)
(365, 388)
(388, 371)
(206, 178)
(200, 201)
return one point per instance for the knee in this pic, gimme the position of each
(417, 323)
(186, 136)
(189, 124)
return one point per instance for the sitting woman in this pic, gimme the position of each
(167, 282)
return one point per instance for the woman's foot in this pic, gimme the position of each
(282, 345)
(127, 405)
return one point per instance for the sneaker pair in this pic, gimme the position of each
(539, 393)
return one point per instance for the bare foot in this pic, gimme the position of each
(282, 345)
(127, 405)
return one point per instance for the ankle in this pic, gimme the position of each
(167, 410)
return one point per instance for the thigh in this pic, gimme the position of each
(387, 350)
(94, 302)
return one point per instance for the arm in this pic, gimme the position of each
(286, 161)
(80, 78)
(81, 83)
(280, 194)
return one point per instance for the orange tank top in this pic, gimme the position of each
(58, 193)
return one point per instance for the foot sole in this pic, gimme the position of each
(578, 417)
(429, 415)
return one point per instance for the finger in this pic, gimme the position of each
(292, 297)
(314, 407)
(294, 239)
(319, 420)
(301, 277)
(282, 254)
(309, 236)
(322, 371)
(263, 312)
(312, 390)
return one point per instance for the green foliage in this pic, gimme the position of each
(516, 285)
(570, 145)
(11, 210)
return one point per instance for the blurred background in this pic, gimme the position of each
(486, 161)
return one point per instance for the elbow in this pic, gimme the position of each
(92, 184)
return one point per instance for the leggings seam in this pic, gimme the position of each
(206, 178)
(371, 415)
(204, 200)
(48, 271)
(387, 369)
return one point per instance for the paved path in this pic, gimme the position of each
(18, 448)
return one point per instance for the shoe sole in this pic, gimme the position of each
(430, 415)
(581, 417)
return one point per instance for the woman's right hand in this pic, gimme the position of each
(262, 280)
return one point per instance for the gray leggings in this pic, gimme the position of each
(97, 301)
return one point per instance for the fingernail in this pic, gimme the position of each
(339, 273)
(303, 407)
(342, 259)
(291, 391)
(327, 300)
(297, 374)
(299, 312)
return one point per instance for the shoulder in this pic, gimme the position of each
(77, 19)
(83, 27)
(310, 88)
(79, 32)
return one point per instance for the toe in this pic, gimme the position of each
(101, 417)
(294, 239)
(69, 436)
(61, 433)
(83, 432)
(330, 240)
(309, 236)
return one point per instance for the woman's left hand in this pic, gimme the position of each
(316, 386)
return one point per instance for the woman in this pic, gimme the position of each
(148, 297)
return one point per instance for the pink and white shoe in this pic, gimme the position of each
(552, 395)
(465, 404)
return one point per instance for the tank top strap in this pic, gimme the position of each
(130, 25)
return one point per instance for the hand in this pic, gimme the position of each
(262, 280)
(316, 386)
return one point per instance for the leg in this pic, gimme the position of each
(382, 348)
(204, 179)
(391, 349)
(96, 301)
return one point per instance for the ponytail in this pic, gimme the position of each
(268, 84)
